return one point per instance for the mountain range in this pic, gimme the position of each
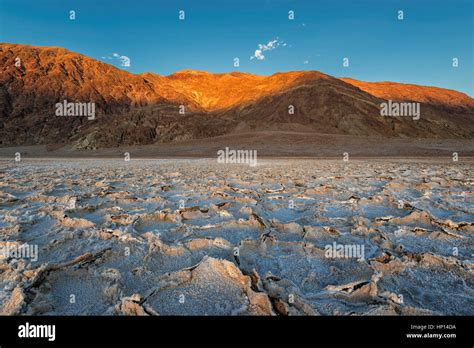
(141, 109)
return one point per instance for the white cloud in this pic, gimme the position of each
(258, 54)
(270, 46)
(124, 60)
(306, 62)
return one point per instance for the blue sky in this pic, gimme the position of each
(418, 49)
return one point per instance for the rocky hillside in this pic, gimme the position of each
(424, 94)
(148, 108)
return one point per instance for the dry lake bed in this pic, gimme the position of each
(192, 237)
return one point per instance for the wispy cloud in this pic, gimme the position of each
(270, 46)
(123, 60)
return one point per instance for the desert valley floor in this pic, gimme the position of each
(192, 236)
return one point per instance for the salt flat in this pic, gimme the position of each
(191, 237)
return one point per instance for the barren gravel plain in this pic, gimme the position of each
(195, 237)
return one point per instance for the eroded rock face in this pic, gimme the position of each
(191, 237)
